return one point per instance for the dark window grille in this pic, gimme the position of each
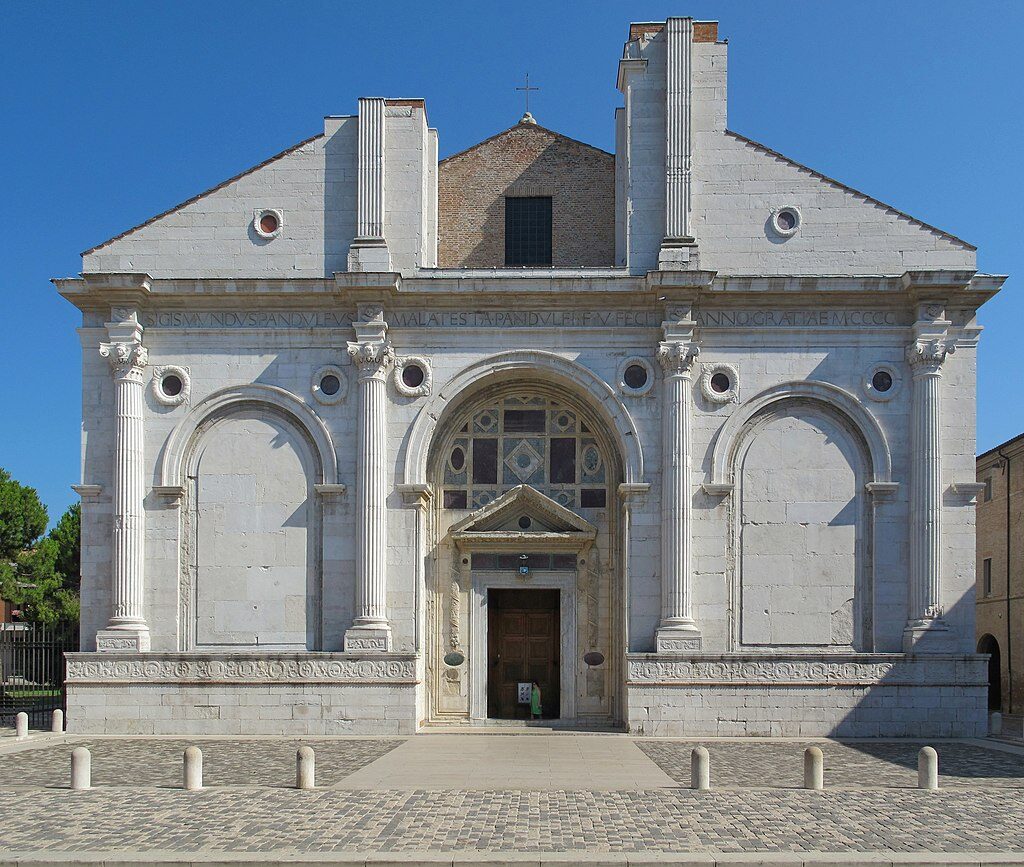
(528, 231)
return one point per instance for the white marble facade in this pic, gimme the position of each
(770, 395)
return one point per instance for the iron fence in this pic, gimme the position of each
(32, 670)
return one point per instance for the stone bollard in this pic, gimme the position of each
(193, 769)
(305, 768)
(81, 769)
(995, 723)
(814, 769)
(700, 769)
(57, 721)
(21, 725)
(927, 768)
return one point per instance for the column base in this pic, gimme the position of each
(369, 254)
(373, 638)
(678, 639)
(678, 254)
(929, 636)
(131, 639)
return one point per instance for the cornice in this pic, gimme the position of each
(560, 287)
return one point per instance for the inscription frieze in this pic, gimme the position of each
(824, 318)
(508, 318)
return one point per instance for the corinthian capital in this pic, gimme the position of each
(373, 358)
(926, 355)
(127, 359)
(677, 357)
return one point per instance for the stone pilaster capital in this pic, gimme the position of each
(373, 358)
(127, 359)
(677, 357)
(926, 355)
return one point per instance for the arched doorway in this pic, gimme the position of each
(524, 534)
(989, 645)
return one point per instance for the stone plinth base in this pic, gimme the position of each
(241, 694)
(114, 640)
(369, 254)
(807, 695)
(368, 639)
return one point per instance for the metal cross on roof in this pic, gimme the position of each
(526, 91)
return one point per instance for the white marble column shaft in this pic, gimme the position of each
(677, 631)
(371, 630)
(925, 587)
(127, 629)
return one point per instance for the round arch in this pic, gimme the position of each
(548, 366)
(832, 396)
(988, 644)
(171, 466)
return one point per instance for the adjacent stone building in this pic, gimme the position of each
(1000, 577)
(683, 434)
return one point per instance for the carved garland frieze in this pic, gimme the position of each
(233, 670)
(815, 672)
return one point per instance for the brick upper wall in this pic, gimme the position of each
(526, 160)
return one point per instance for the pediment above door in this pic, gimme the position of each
(523, 515)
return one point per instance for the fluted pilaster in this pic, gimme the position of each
(369, 250)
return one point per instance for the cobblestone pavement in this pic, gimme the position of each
(663, 820)
(157, 762)
(871, 804)
(869, 764)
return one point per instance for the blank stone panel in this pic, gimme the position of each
(254, 571)
(800, 526)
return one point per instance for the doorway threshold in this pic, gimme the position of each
(519, 726)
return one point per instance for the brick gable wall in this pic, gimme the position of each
(527, 160)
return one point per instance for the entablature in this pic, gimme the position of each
(542, 291)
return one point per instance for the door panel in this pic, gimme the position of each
(523, 645)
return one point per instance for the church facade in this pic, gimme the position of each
(683, 435)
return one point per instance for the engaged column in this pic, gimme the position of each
(374, 357)
(127, 629)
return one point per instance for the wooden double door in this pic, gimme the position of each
(523, 646)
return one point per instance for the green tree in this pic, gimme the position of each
(40, 576)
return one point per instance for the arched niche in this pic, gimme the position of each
(251, 465)
(805, 465)
(169, 469)
(831, 397)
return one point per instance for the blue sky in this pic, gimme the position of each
(112, 112)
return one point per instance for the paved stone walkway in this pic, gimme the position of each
(565, 761)
(440, 801)
(864, 764)
(158, 762)
(664, 820)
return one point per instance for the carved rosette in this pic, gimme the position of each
(373, 359)
(925, 356)
(127, 360)
(677, 357)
